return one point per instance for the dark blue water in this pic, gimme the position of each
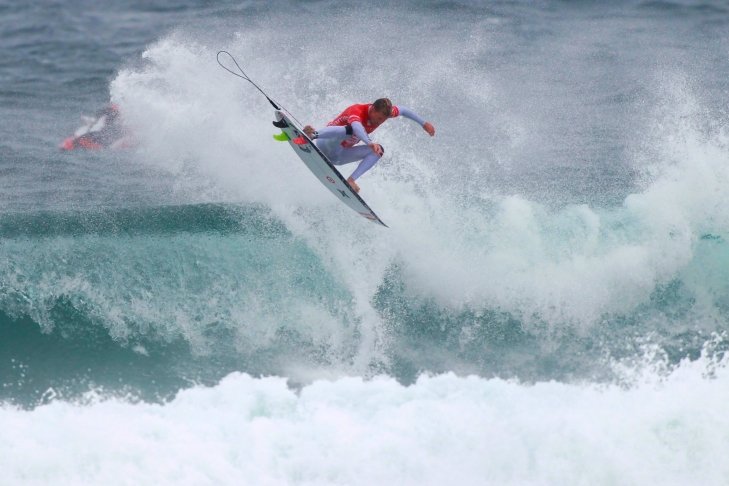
(550, 304)
(570, 210)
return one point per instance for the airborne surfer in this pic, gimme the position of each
(337, 143)
(339, 139)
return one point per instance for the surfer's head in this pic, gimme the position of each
(380, 111)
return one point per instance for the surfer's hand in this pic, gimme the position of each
(428, 127)
(309, 131)
(353, 184)
(376, 148)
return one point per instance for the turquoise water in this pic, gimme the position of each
(552, 287)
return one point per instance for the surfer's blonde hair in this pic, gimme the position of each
(383, 105)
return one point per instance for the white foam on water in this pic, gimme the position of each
(462, 247)
(670, 429)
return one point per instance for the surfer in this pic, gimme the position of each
(339, 139)
(104, 130)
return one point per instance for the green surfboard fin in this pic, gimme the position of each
(282, 137)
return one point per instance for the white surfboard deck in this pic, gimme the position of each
(323, 169)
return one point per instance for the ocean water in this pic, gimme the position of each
(550, 304)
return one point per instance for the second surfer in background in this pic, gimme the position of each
(102, 131)
(339, 139)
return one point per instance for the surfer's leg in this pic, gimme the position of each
(365, 165)
(331, 148)
(363, 153)
(354, 154)
(339, 155)
(332, 132)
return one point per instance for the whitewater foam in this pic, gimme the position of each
(571, 265)
(442, 429)
(472, 266)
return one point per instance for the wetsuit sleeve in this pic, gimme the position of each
(360, 132)
(408, 113)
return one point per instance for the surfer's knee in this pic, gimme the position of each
(377, 156)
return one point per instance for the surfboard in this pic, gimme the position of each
(309, 153)
(322, 168)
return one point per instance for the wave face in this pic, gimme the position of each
(561, 245)
(189, 294)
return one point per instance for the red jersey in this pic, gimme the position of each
(358, 113)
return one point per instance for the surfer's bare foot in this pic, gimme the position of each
(309, 131)
(353, 184)
(428, 127)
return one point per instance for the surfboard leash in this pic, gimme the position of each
(243, 75)
(282, 137)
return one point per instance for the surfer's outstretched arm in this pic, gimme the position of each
(410, 114)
